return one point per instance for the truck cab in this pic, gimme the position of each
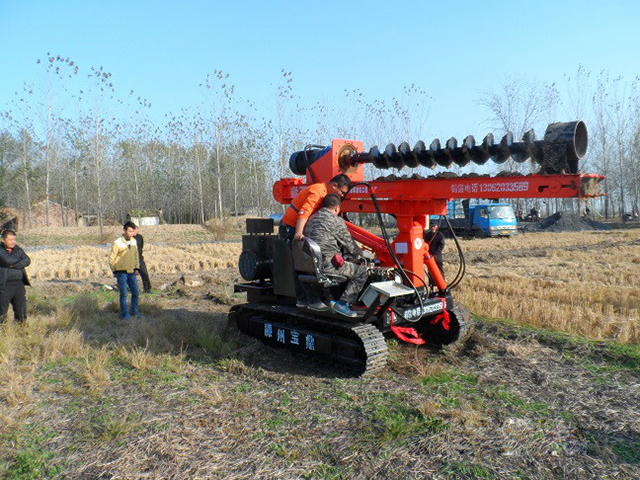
(493, 219)
(482, 220)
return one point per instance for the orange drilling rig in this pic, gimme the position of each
(406, 294)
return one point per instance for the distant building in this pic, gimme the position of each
(146, 221)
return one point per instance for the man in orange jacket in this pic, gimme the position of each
(306, 203)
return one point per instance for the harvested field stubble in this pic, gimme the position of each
(586, 283)
(177, 394)
(176, 233)
(577, 282)
(92, 262)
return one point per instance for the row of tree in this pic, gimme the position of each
(95, 153)
(71, 138)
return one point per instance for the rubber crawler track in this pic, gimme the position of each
(372, 347)
(372, 350)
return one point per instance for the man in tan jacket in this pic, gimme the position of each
(124, 261)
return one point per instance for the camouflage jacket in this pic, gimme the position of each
(330, 233)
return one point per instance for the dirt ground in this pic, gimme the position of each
(180, 395)
(516, 403)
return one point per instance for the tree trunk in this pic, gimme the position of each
(46, 161)
(98, 177)
(75, 190)
(62, 202)
(137, 186)
(47, 178)
(26, 177)
(219, 171)
(200, 189)
(235, 191)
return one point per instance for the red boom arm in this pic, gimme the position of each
(412, 200)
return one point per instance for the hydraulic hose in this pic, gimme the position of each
(463, 265)
(385, 236)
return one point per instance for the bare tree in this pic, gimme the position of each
(603, 122)
(100, 91)
(219, 97)
(517, 106)
(20, 118)
(284, 97)
(9, 148)
(578, 90)
(57, 70)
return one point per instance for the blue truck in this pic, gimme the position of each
(482, 220)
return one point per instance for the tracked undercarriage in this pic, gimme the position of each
(358, 343)
(357, 346)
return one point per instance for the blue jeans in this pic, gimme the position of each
(130, 280)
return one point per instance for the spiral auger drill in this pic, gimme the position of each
(563, 145)
(406, 294)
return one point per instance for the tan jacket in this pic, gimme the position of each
(124, 256)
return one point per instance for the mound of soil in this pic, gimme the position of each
(567, 222)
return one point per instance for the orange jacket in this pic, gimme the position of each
(305, 203)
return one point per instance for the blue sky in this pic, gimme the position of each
(452, 50)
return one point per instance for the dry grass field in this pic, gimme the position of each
(75, 236)
(586, 283)
(91, 263)
(178, 394)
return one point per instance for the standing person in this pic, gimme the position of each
(13, 277)
(330, 232)
(306, 203)
(435, 239)
(124, 261)
(534, 215)
(144, 274)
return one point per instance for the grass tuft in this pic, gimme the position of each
(17, 386)
(94, 372)
(392, 420)
(232, 365)
(466, 470)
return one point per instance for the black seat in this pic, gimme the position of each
(307, 259)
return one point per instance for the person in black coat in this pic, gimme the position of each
(13, 277)
(144, 274)
(435, 239)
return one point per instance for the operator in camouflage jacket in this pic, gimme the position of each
(330, 232)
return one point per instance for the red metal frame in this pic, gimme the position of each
(411, 201)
